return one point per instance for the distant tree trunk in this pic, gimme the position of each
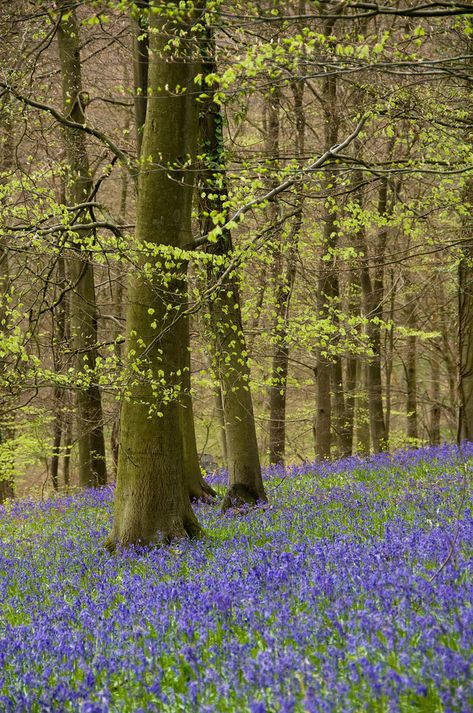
(119, 311)
(140, 67)
(435, 411)
(59, 327)
(465, 326)
(411, 377)
(83, 311)
(362, 421)
(220, 417)
(352, 361)
(373, 294)
(151, 496)
(229, 348)
(7, 431)
(67, 449)
(389, 355)
(327, 284)
(285, 274)
(197, 488)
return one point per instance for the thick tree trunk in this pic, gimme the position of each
(229, 350)
(83, 311)
(151, 499)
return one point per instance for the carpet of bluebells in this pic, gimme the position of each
(353, 591)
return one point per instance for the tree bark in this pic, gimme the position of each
(7, 430)
(362, 420)
(373, 294)
(465, 326)
(197, 488)
(327, 282)
(285, 274)
(411, 377)
(151, 499)
(436, 409)
(83, 311)
(229, 350)
(140, 67)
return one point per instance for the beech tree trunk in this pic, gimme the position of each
(197, 488)
(83, 311)
(151, 499)
(362, 419)
(140, 67)
(229, 349)
(327, 284)
(465, 327)
(285, 274)
(436, 410)
(373, 294)
(7, 431)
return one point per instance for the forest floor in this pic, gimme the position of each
(352, 591)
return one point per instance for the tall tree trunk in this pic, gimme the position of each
(362, 420)
(140, 67)
(389, 356)
(197, 488)
(83, 316)
(285, 274)
(373, 294)
(220, 418)
(59, 328)
(229, 345)
(327, 282)
(411, 375)
(436, 410)
(465, 326)
(151, 497)
(7, 431)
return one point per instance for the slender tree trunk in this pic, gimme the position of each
(59, 328)
(327, 283)
(220, 418)
(389, 355)
(411, 376)
(83, 317)
(197, 488)
(229, 345)
(140, 67)
(67, 449)
(362, 420)
(465, 326)
(373, 294)
(7, 430)
(285, 275)
(151, 497)
(435, 411)
(351, 378)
